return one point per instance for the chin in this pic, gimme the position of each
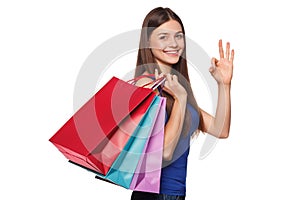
(172, 61)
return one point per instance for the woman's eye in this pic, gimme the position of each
(179, 36)
(163, 37)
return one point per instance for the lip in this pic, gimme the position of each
(171, 52)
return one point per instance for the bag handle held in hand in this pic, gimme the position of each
(156, 82)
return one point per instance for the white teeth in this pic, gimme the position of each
(172, 52)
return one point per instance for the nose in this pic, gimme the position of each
(173, 43)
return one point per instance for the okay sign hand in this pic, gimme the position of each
(222, 69)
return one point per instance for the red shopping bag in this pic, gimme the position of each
(88, 137)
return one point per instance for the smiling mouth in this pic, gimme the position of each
(172, 52)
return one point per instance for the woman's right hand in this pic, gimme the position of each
(172, 86)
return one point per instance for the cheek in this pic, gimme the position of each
(156, 52)
(155, 44)
(181, 44)
(156, 48)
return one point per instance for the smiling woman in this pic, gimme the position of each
(162, 52)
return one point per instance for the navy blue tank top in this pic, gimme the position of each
(173, 174)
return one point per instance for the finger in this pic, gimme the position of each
(212, 70)
(232, 56)
(216, 62)
(169, 77)
(156, 74)
(227, 50)
(166, 85)
(221, 52)
(213, 62)
(175, 78)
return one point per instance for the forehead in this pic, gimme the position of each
(169, 26)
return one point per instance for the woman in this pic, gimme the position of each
(162, 52)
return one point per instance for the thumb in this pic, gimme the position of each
(211, 69)
(213, 62)
(156, 73)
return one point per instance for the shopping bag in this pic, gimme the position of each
(148, 172)
(124, 167)
(88, 137)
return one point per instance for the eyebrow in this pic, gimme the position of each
(166, 33)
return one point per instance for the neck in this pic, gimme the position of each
(165, 69)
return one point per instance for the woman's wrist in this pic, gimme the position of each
(225, 85)
(181, 98)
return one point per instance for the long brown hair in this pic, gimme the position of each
(146, 61)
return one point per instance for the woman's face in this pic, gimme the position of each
(167, 43)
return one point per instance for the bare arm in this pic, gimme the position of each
(174, 127)
(221, 70)
(219, 125)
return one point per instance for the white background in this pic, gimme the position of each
(44, 44)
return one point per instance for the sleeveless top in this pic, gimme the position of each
(173, 174)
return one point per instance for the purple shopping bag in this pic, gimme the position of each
(148, 172)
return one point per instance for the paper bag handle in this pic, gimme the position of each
(156, 82)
